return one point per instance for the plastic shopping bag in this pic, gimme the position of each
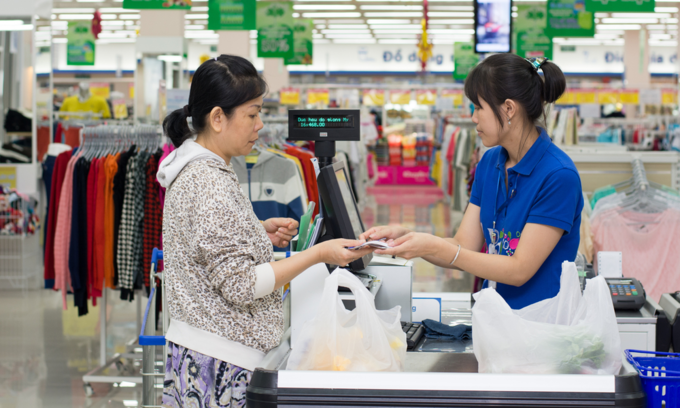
(364, 339)
(568, 334)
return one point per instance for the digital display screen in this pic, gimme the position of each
(492, 25)
(351, 206)
(323, 121)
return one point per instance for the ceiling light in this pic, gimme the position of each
(619, 27)
(601, 15)
(112, 35)
(111, 10)
(396, 14)
(113, 23)
(196, 16)
(116, 41)
(660, 36)
(450, 14)
(15, 27)
(453, 21)
(317, 35)
(199, 9)
(366, 31)
(664, 43)
(200, 34)
(334, 1)
(73, 10)
(453, 8)
(656, 27)
(398, 41)
(629, 20)
(409, 31)
(89, 1)
(194, 27)
(391, 7)
(356, 41)
(14, 23)
(395, 27)
(666, 9)
(345, 22)
(296, 15)
(331, 15)
(130, 403)
(606, 36)
(458, 31)
(324, 7)
(671, 21)
(641, 15)
(108, 16)
(75, 17)
(321, 41)
(345, 26)
(348, 35)
(59, 40)
(373, 22)
(170, 58)
(130, 16)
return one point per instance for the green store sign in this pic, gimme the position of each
(464, 59)
(530, 32)
(303, 43)
(157, 4)
(80, 46)
(635, 6)
(275, 29)
(569, 18)
(231, 15)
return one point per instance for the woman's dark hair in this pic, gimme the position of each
(508, 76)
(227, 81)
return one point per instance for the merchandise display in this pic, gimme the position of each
(247, 203)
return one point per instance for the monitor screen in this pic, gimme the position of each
(493, 19)
(330, 121)
(348, 199)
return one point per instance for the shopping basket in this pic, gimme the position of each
(150, 341)
(660, 376)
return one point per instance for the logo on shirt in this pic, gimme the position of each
(269, 192)
(506, 245)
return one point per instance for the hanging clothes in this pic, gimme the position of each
(78, 256)
(118, 196)
(110, 170)
(153, 215)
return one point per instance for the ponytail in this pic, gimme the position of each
(176, 127)
(554, 82)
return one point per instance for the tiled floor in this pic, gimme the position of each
(45, 351)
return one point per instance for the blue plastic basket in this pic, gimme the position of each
(660, 376)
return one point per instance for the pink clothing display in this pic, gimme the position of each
(648, 246)
(62, 239)
(167, 149)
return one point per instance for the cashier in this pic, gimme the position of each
(223, 288)
(524, 215)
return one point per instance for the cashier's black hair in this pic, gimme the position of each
(508, 76)
(227, 81)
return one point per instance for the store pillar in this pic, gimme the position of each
(276, 74)
(234, 43)
(636, 59)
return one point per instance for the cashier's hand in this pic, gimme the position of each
(335, 252)
(411, 245)
(389, 232)
(281, 230)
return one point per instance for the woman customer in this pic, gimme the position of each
(526, 201)
(222, 286)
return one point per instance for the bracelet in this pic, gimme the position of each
(457, 253)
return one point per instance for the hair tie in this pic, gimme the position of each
(187, 112)
(537, 63)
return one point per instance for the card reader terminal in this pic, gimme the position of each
(627, 293)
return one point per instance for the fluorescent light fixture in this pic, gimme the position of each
(200, 34)
(170, 58)
(116, 41)
(194, 27)
(345, 22)
(208, 42)
(514, 15)
(357, 41)
(601, 15)
(671, 21)
(453, 8)
(656, 36)
(13, 27)
(108, 17)
(324, 7)
(320, 26)
(345, 26)
(199, 9)
(331, 15)
(395, 27)
(606, 36)
(59, 41)
(663, 43)
(117, 23)
(89, 1)
(450, 14)
(629, 20)
(113, 35)
(641, 15)
(12, 23)
(396, 14)
(452, 31)
(397, 31)
(73, 10)
(130, 16)
(296, 15)
(666, 9)
(196, 16)
(130, 403)
(362, 31)
(127, 384)
(348, 35)
(321, 41)
(619, 27)
(656, 27)
(45, 28)
(392, 7)
(110, 10)
(317, 35)
(398, 41)
(453, 21)
(402, 36)
(252, 34)
(376, 22)
(75, 17)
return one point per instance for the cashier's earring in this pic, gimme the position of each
(508, 121)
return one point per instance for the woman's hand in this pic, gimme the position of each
(389, 232)
(413, 245)
(335, 252)
(281, 230)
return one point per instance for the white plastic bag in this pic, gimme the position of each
(568, 334)
(364, 339)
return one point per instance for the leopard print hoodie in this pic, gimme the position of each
(213, 243)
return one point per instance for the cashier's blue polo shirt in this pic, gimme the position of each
(543, 188)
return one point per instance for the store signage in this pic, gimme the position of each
(629, 96)
(608, 97)
(100, 89)
(275, 29)
(567, 98)
(289, 96)
(80, 43)
(569, 18)
(426, 96)
(231, 15)
(586, 96)
(636, 6)
(455, 94)
(529, 32)
(669, 97)
(8, 176)
(464, 60)
(303, 43)
(374, 97)
(120, 110)
(157, 4)
(318, 96)
(400, 97)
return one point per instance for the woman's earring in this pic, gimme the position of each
(508, 121)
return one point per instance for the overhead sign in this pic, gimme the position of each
(275, 24)
(80, 43)
(374, 97)
(530, 37)
(303, 44)
(464, 60)
(635, 6)
(569, 18)
(158, 4)
(231, 15)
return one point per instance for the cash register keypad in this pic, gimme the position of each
(623, 290)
